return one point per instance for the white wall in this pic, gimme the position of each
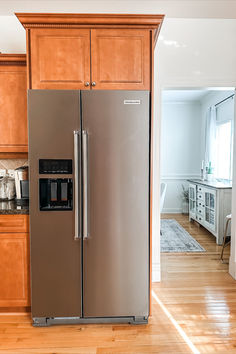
(12, 35)
(191, 52)
(171, 8)
(183, 142)
(194, 53)
(180, 150)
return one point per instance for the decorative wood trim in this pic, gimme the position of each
(13, 59)
(42, 20)
(16, 309)
(156, 34)
(14, 223)
(8, 148)
(13, 155)
(28, 58)
(29, 19)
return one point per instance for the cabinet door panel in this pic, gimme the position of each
(13, 109)
(192, 201)
(120, 59)
(210, 212)
(14, 223)
(60, 58)
(14, 269)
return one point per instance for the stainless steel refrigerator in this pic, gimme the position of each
(89, 158)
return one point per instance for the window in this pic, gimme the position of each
(224, 140)
(224, 150)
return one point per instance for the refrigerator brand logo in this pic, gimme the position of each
(132, 101)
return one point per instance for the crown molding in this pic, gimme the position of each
(12, 59)
(32, 19)
(63, 20)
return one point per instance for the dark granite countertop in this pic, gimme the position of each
(10, 207)
(213, 184)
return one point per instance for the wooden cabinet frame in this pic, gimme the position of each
(15, 262)
(112, 56)
(152, 23)
(47, 73)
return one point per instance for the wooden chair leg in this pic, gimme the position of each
(224, 240)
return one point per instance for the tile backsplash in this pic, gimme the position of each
(12, 164)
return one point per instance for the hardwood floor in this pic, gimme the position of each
(194, 310)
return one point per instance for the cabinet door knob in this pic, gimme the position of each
(93, 83)
(86, 83)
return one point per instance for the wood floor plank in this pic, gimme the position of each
(196, 291)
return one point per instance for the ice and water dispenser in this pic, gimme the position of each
(55, 193)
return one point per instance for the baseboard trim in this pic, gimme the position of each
(232, 268)
(171, 211)
(156, 272)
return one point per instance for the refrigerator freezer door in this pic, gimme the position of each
(116, 250)
(55, 255)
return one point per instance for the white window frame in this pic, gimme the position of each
(218, 123)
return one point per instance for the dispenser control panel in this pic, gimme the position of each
(55, 166)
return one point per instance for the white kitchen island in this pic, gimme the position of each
(209, 203)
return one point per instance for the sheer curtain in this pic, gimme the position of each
(210, 146)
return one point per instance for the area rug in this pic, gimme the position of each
(174, 238)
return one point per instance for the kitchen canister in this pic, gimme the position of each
(7, 188)
(11, 189)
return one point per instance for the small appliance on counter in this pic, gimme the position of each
(7, 188)
(22, 185)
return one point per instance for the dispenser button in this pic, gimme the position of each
(54, 191)
(64, 191)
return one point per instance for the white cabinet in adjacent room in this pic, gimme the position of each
(209, 203)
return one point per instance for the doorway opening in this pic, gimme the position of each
(196, 180)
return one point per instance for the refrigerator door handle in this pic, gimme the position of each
(85, 183)
(77, 187)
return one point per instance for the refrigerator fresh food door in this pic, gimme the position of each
(54, 154)
(116, 128)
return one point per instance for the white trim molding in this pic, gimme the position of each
(180, 177)
(232, 268)
(156, 272)
(171, 211)
(232, 259)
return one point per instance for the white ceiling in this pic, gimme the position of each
(171, 8)
(188, 95)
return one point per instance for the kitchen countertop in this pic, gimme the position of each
(10, 207)
(212, 184)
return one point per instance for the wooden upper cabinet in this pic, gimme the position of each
(90, 51)
(60, 58)
(120, 59)
(13, 104)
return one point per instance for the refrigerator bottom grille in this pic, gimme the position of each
(49, 321)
